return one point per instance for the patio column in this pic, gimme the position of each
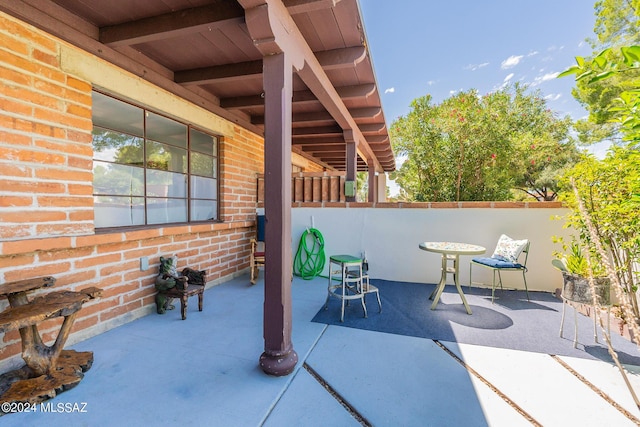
(381, 187)
(351, 162)
(372, 185)
(279, 358)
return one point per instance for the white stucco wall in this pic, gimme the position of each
(391, 237)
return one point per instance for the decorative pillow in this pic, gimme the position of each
(509, 249)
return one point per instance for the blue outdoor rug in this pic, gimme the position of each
(511, 322)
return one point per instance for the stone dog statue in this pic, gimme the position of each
(169, 278)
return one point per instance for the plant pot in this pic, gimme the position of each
(576, 289)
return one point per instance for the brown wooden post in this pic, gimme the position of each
(279, 358)
(373, 183)
(351, 160)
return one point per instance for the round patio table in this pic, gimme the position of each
(450, 251)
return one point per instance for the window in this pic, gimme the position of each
(150, 169)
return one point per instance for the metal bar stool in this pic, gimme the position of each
(348, 269)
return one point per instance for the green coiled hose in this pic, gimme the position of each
(310, 258)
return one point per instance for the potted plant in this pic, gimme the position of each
(575, 273)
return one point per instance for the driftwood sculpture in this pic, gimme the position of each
(49, 369)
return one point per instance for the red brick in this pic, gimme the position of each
(136, 254)
(118, 247)
(12, 170)
(120, 310)
(76, 280)
(97, 260)
(99, 239)
(85, 215)
(143, 234)
(476, 205)
(444, 205)
(26, 246)
(37, 271)
(63, 229)
(80, 85)
(32, 216)
(16, 201)
(545, 205)
(13, 232)
(64, 254)
(84, 322)
(509, 205)
(17, 260)
(64, 174)
(17, 186)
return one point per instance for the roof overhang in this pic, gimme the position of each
(205, 51)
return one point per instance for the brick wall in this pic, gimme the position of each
(45, 140)
(46, 201)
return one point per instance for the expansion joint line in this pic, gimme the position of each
(600, 393)
(341, 400)
(493, 388)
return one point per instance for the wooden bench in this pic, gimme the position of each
(48, 369)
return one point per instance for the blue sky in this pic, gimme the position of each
(436, 47)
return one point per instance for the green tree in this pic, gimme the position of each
(617, 24)
(610, 65)
(605, 203)
(473, 147)
(610, 191)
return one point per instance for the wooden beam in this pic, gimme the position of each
(254, 101)
(372, 128)
(302, 6)
(311, 157)
(61, 23)
(174, 24)
(378, 140)
(366, 113)
(324, 116)
(340, 58)
(317, 131)
(326, 148)
(193, 20)
(332, 59)
(274, 31)
(220, 73)
(324, 140)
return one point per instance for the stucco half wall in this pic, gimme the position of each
(391, 238)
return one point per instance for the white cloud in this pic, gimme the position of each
(511, 61)
(431, 82)
(474, 67)
(553, 97)
(509, 77)
(533, 53)
(390, 90)
(554, 48)
(543, 78)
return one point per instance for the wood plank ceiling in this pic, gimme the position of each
(201, 50)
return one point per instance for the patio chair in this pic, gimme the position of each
(505, 258)
(347, 270)
(368, 288)
(257, 257)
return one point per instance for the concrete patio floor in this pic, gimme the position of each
(162, 371)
